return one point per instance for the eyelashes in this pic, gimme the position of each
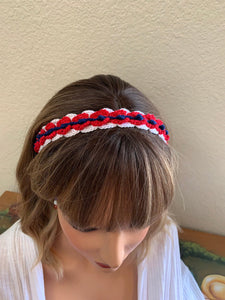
(79, 229)
(84, 230)
(89, 229)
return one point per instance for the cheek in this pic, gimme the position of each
(76, 240)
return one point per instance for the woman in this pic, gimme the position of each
(96, 176)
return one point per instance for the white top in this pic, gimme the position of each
(162, 275)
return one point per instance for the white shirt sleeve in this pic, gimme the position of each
(18, 281)
(162, 275)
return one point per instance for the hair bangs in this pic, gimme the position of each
(114, 189)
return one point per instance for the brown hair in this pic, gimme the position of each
(126, 172)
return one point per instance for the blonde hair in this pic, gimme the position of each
(126, 172)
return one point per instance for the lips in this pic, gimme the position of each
(103, 265)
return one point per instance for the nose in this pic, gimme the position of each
(113, 249)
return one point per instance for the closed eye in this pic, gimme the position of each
(84, 230)
(89, 229)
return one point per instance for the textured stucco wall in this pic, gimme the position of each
(174, 51)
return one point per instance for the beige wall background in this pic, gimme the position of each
(174, 51)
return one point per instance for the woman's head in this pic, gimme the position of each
(113, 178)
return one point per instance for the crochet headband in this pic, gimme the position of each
(90, 120)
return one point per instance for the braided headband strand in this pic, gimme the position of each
(90, 120)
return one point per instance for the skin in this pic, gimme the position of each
(84, 249)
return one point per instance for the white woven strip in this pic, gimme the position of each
(45, 143)
(71, 132)
(162, 137)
